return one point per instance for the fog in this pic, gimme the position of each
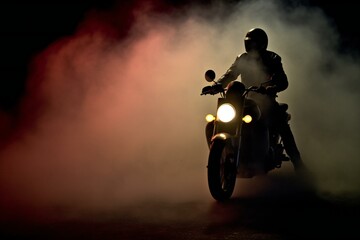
(110, 122)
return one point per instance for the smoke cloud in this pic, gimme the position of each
(110, 121)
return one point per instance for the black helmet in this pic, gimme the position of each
(256, 39)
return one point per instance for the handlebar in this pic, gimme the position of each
(217, 88)
(214, 89)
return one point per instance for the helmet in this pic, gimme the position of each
(256, 39)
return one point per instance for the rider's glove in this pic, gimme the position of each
(206, 90)
(213, 89)
(261, 90)
(271, 90)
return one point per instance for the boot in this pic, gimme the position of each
(302, 171)
(297, 162)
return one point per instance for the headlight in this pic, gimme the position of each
(226, 112)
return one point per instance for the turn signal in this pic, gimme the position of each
(210, 118)
(247, 119)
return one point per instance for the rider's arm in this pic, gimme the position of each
(231, 74)
(279, 78)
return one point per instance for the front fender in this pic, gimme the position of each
(221, 137)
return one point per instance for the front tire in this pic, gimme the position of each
(221, 170)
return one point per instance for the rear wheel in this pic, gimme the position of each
(221, 170)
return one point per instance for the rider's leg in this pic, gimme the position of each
(280, 122)
(290, 145)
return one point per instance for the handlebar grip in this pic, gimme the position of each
(263, 90)
(214, 89)
(206, 90)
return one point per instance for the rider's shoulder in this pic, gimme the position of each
(273, 55)
(242, 56)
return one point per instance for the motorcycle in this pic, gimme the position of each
(230, 138)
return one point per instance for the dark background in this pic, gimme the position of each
(29, 27)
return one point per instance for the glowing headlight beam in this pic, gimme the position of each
(226, 112)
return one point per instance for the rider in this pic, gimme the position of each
(261, 67)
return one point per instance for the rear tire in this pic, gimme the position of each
(221, 170)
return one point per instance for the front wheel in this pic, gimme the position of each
(221, 170)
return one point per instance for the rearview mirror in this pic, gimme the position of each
(210, 75)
